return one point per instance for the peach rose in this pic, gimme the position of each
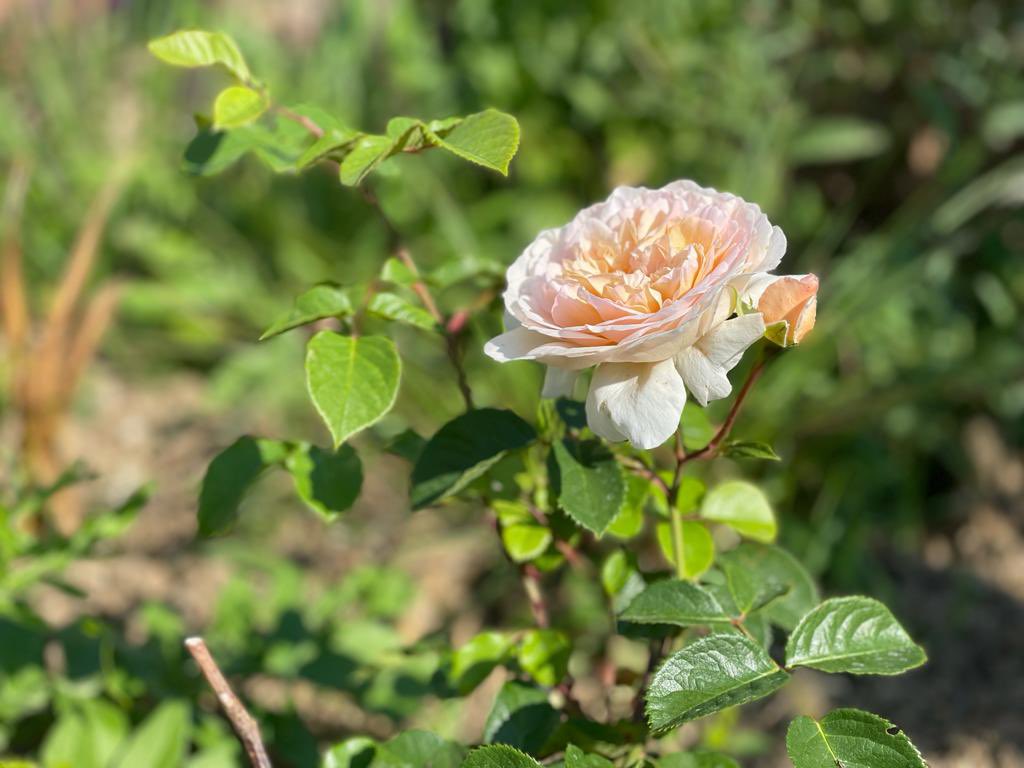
(646, 287)
(788, 304)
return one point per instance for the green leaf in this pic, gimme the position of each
(499, 756)
(238, 105)
(850, 738)
(709, 675)
(227, 479)
(839, 140)
(525, 541)
(160, 741)
(475, 660)
(743, 507)
(329, 483)
(366, 153)
(419, 749)
(407, 444)
(621, 579)
(210, 152)
(544, 655)
(698, 547)
(353, 382)
(198, 48)
(394, 271)
(630, 519)
(391, 306)
(320, 301)
(521, 717)
(489, 138)
(749, 449)
(354, 752)
(462, 450)
(853, 634)
(676, 602)
(747, 587)
(764, 565)
(577, 758)
(589, 483)
(332, 140)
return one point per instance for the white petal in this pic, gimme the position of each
(639, 402)
(558, 382)
(703, 367)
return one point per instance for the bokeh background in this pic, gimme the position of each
(884, 136)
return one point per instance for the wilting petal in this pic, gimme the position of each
(558, 382)
(705, 365)
(639, 402)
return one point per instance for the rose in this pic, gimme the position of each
(657, 288)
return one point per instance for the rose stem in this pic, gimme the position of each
(244, 725)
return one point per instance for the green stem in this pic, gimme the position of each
(677, 540)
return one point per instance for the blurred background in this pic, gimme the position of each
(884, 136)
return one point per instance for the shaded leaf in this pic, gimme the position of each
(160, 741)
(759, 565)
(749, 449)
(462, 450)
(329, 483)
(521, 717)
(589, 483)
(475, 660)
(227, 479)
(418, 749)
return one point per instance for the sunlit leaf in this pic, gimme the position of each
(850, 738)
(236, 106)
(589, 483)
(199, 48)
(319, 302)
(743, 507)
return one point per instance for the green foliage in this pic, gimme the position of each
(543, 654)
(853, 634)
(675, 602)
(498, 756)
(237, 106)
(707, 676)
(753, 568)
(463, 450)
(698, 547)
(391, 306)
(850, 737)
(352, 381)
(743, 507)
(198, 48)
(521, 717)
(588, 482)
(475, 660)
(319, 302)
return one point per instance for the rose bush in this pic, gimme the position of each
(662, 290)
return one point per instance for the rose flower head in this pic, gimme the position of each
(662, 290)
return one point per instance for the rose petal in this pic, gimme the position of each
(639, 402)
(705, 365)
(558, 382)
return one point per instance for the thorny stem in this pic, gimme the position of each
(244, 725)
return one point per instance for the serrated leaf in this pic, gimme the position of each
(475, 660)
(749, 588)
(229, 476)
(498, 756)
(199, 48)
(489, 138)
(707, 676)
(329, 483)
(743, 507)
(521, 717)
(749, 449)
(850, 738)
(353, 382)
(765, 564)
(543, 654)
(676, 602)
(462, 450)
(236, 106)
(391, 306)
(589, 482)
(319, 302)
(698, 547)
(365, 154)
(853, 634)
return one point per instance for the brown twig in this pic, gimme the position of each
(711, 449)
(538, 606)
(13, 299)
(244, 725)
(302, 120)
